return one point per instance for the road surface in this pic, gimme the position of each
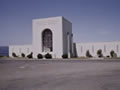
(59, 75)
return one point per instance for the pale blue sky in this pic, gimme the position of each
(93, 20)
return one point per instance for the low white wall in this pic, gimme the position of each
(106, 47)
(18, 49)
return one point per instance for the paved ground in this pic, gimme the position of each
(59, 75)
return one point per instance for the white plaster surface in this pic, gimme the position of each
(106, 47)
(61, 29)
(19, 49)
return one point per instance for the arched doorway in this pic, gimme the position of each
(47, 41)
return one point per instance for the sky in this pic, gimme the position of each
(92, 20)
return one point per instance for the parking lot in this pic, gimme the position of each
(59, 75)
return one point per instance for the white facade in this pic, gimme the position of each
(106, 48)
(54, 35)
(19, 49)
(59, 27)
(61, 33)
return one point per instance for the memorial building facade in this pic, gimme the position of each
(50, 35)
(54, 36)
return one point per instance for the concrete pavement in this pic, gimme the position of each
(59, 75)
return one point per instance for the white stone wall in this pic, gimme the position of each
(59, 27)
(18, 49)
(55, 25)
(61, 33)
(106, 47)
(67, 29)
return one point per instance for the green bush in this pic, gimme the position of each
(113, 54)
(39, 56)
(48, 56)
(88, 54)
(14, 55)
(99, 53)
(30, 55)
(108, 56)
(65, 56)
(23, 55)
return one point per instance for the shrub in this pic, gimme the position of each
(99, 53)
(88, 54)
(30, 55)
(48, 56)
(64, 56)
(113, 54)
(108, 56)
(23, 55)
(14, 55)
(39, 56)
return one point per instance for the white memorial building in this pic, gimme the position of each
(54, 35)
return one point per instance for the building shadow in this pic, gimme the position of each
(74, 50)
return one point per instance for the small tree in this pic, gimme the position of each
(99, 53)
(88, 54)
(64, 56)
(48, 56)
(113, 54)
(14, 55)
(30, 55)
(39, 56)
(23, 55)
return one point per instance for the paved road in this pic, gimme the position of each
(59, 75)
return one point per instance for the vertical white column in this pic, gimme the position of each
(68, 43)
(72, 45)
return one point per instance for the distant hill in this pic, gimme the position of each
(4, 51)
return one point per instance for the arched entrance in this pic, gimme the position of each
(47, 41)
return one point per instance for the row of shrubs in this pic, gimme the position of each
(39, 56)
(99, 53)
(47, 56)
(65, 56)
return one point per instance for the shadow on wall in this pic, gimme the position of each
(75, 50)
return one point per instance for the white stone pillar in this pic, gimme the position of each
(68, 43)
(72, 45)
